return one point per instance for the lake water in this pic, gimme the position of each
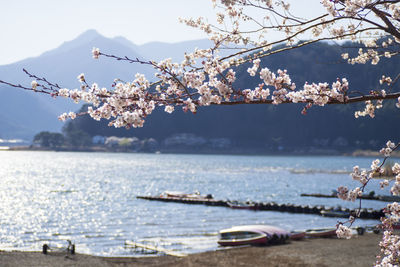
(90, 198)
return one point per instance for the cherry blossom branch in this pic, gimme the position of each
(24, 87)
(43, 80)
(364, 178)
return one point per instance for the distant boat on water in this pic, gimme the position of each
(335, 213)
(241, 205)
(177, 194)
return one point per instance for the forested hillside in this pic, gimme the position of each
(283, 127)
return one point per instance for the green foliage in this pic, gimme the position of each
(76, 136)
(125, 142)
(48, 139)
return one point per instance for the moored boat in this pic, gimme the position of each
(335, 213)
(241, 205)
(176, 194)
(252, 235)
(297, 235)
(331, 232)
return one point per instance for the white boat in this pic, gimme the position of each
(241, 205)
(176, 194)
(335, 213)
(252, 235)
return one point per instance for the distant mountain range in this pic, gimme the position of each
(272, 128)
(23, 114)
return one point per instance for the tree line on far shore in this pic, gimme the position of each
(267, 127)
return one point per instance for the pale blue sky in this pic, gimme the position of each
(29, 28)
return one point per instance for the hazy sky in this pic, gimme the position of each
(29, 28)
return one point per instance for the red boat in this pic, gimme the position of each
(321, 233)
(252, 235)
(297, 235)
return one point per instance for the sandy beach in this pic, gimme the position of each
(358, 251)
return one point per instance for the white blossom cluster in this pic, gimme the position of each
(34, 85)
(395, 9)
(390, 244)
(358, 8)
(394, 210)
(343, 231)
(253, 70)
(330, 7)
(369, 110)
(390, 249)
(281, 83)
(386, 80)
(320, 94)
(95, 52)
(363, 57)
(384, 183)
(126, 103)
(361, 175)
(395, 190)
(350, 195)
(386, 151)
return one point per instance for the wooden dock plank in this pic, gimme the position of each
(154, 248)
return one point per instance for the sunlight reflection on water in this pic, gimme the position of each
(90, 198)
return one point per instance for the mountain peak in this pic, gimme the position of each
(83, 38)
(88, 35)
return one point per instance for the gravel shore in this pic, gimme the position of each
(358, 251)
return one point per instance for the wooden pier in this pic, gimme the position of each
(272, 206)
(154, 248)
(368, 197)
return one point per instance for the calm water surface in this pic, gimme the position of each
(90, 198)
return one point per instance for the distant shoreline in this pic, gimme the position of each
(245, 152)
